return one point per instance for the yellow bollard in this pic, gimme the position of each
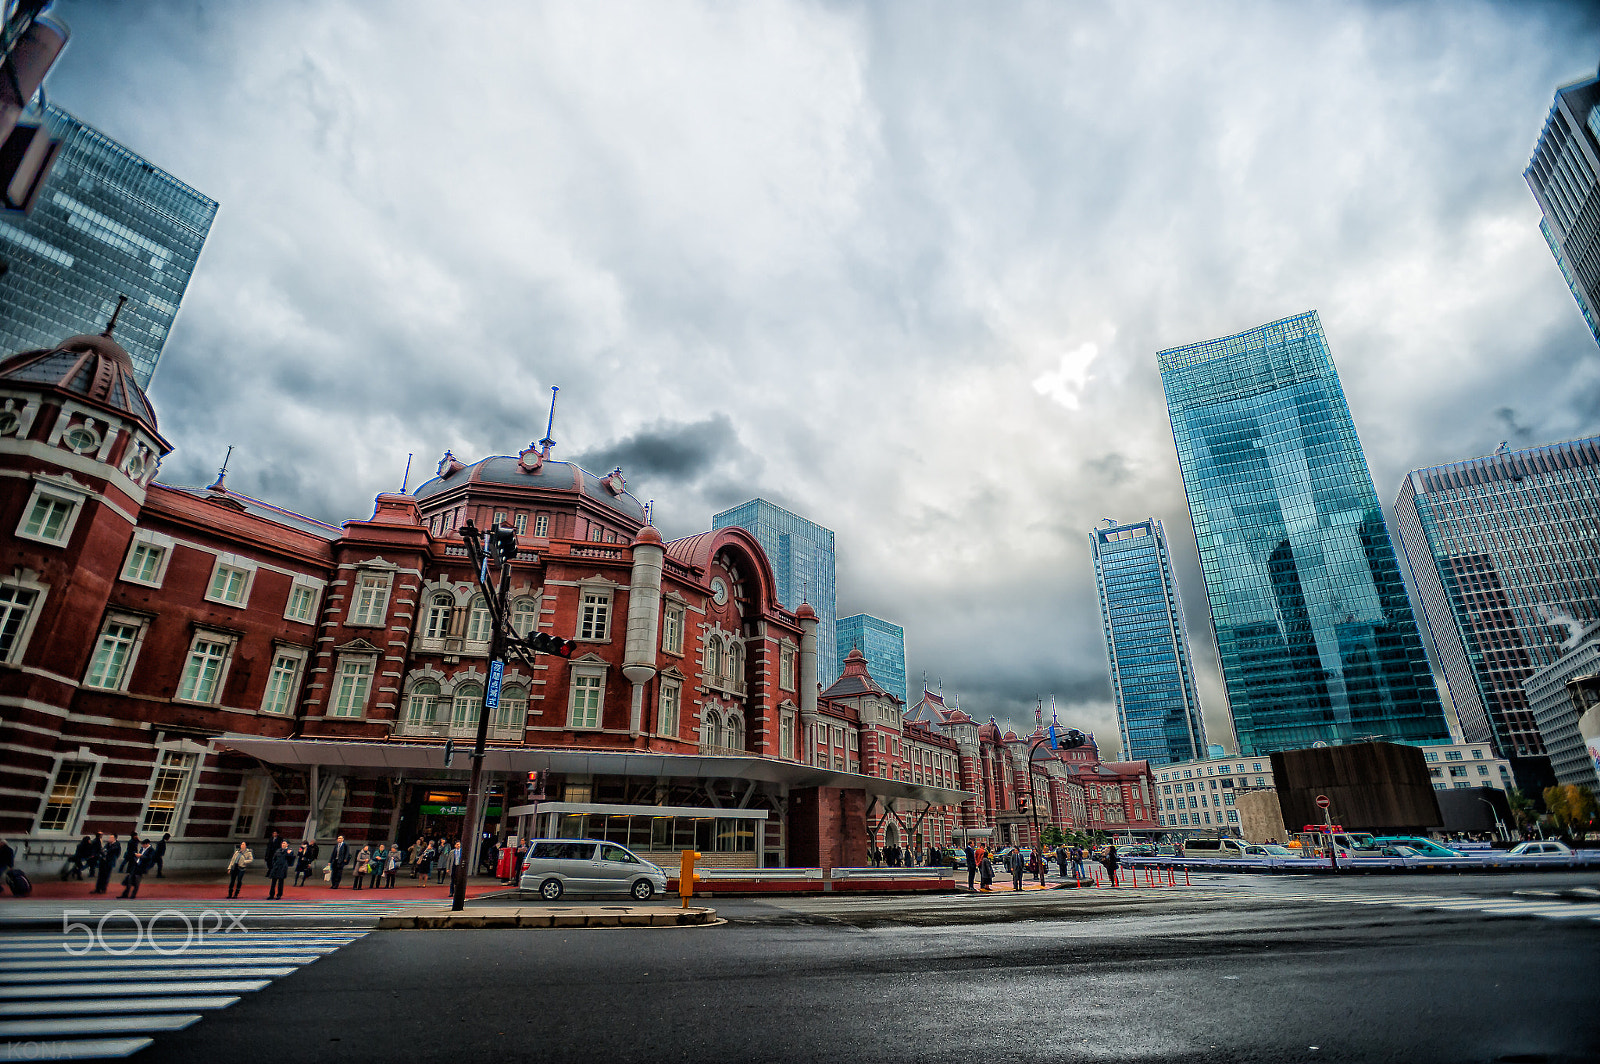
(687, 875)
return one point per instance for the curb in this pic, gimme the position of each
(586, 916)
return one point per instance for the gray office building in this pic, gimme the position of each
(1564, 174)
(1557, 710)
(1502, 555)
(801, 553)
(107, 224)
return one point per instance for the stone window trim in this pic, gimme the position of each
(151, 541)
(788, 665)
(282, 648)
(317, 589)
(62, 491)
(370, 611)
(354, 652)
(95, 764)
(180, 813)
(671, 694)
(587, 668)
(215, 635)
(673, 605)
(24, 580)
(595, 619)
(17, 413)
(221, 570)
(125, 618)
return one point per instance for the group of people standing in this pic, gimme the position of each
(893, 856)
(105, 854)
(1070, 859)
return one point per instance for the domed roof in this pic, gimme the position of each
(989, 731)
(96, 368)
(805, 612)
(505, 471)
(648, 534)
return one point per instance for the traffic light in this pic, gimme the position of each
(1022, 803)
(545, 643)
(1072, 739)
(503, 543)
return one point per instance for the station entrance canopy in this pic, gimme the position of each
(376, 759)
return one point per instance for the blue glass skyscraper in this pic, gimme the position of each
(1316, 635)
(884, 645)
(1152, 683)
(106, 224)
(801, 553)
(1564, 175)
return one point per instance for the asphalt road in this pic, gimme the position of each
(1266, 970)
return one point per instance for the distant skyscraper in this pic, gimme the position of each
(801, 553)
(1502, 554)
(1316, 635)
(107, 223)
(883, 643)
(1152, 682)
(1565, 177)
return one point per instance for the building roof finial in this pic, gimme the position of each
(547, 443)
(122, 301)
(222, 474)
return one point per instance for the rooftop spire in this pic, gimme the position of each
(547, 443)
(115, 314)
(222, 474)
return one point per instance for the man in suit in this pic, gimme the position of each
(139, 862)
(110, 852)
(340, 858)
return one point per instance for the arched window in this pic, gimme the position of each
(436, 625)
(524, 616)
(710, 728)
(733, 732)
(513, 710)
(478, 623)
(736, 663)
(713, 657)
(421, 706)
(465, 706)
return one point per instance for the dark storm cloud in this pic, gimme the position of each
(901, 269)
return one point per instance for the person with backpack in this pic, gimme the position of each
(237, 863)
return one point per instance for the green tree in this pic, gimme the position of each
(1523, 811)
(1573, 808)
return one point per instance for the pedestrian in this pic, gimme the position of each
(277, 870)
(1061, 859)
(425, 862)
(1017, 865)
(82, 857)
(138, 864)
(414, 855)
(985, 869)
(971, 853)
(109, 852)
(161, 855)
(271, 847)
(338, 859)
(1111, 863)
(129, 851)
(305, 862)
(238, 861)
(1039, 864)
(442, 866)
(391, 866)
(363, 865)
(456, 857)
(1078, 871)
(522, 857)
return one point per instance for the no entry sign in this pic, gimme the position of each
(1322, 801)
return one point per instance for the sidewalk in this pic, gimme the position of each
(206, 887)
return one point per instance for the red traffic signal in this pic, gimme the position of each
(545, 643)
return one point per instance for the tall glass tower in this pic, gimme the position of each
(883, 643)
(1564, 175)
(801, 553)
(1158, 708)
(1503, 556)
(107, 223)
(1316, 634)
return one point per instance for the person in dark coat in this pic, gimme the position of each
(270, 847)
(82, 857)
(109, 853)
(972, 864)
(161, 855)
(305, 865)
(138, 862)
(339, 858)
(129, 851)
(1111, 863)
(277, 870)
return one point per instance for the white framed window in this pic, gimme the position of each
(68, 794)
(147, 559)
(422, 707)
(206, 668)
(541, 525)
(521, 524)
(50, 515)
(370, 602)
(115, 652)
(302, 605)
(169, 792)
(588, 698)
(736, 663)
(733, 732)
(672, 628)
(230, 581)
(786, 735)
(19, 611)
(710, 727)
(436, 621)
(283, 681)
(671, 702)
(594, 616)
(499, 519)
(524, 616)
(713, 657)
(351, 686)
(594, 533)
(253, 791)
(465, 705)
(512, 712)
(786, 669)
(480, 623)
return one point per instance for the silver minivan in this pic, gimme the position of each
(588, 866)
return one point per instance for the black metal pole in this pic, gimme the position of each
(497, 650)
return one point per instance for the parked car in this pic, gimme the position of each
(1547, 848)
(589, 866)
(1424, 847)
(1270, 849)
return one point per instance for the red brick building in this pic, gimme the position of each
(200, 663)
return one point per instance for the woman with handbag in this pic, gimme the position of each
(391, 866)
(363, 864)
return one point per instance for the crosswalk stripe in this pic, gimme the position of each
(202, 986)
(94, 1005)
(36, 964)
(67, 1026)
(86, 1048)
(44, 975)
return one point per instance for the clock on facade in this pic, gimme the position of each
(719, 590)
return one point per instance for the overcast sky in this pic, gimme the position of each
(901, 268)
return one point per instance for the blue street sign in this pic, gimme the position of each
(497, 672)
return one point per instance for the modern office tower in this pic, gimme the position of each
(106, 224)
(1158, 708)
(1317, 639)
(1502, 554)
(884, 645)
(801, 553)
(1560, 695)
(1563, 175)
